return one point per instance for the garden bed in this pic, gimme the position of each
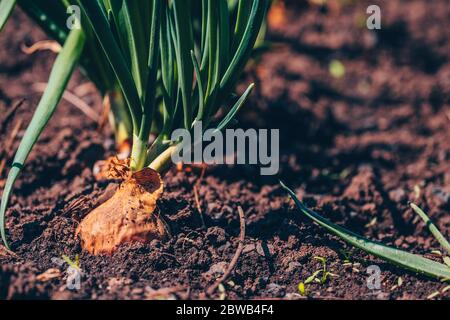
(357, 149)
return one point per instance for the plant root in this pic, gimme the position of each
(112, 169)
(130, 215)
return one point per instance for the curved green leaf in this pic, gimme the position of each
(230, 116)
(245, 48)
(136, 42)
(59, 77)
(183, 46)
(201, 91)
(6, 7)
(243, 13)
(432, 227)
(97, 16)
(401, 258)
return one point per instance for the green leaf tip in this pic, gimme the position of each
(432, 227)
(59, 77)
(6, 8)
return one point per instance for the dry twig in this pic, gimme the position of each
(6, 152)
(197, 198)
(236, 256)
(9, 115)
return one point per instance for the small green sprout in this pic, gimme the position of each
(337, 69)
(313, 277)
(302, 289)
(433, 229)
(74, 264)
(325, 274)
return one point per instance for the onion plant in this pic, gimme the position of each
(52, 18)
(179, 59)
(189, 53)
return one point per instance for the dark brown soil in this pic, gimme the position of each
(357, 149)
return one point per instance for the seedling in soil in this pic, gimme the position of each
(401, 258)
(324, 272)
(433, 229)
(435, 232)
(337, 69)
(302, 289)
(191, 55)
(347, 254)
(320, 276)
(74, 264)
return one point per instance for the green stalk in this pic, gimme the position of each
(158, 146)
(164, 161)
(6, 8)
(140, 142)
(138, 153)
(119, 117)
(98, 21)
(59, 77)
(433, 229)
(183, 46)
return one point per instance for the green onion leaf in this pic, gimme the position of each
(245, 48)
(6, 8)
(433, 229)
(201, 90)
(244, 9)
(230, 116)
(401, 258)
(59, 77)
(98, 20)
(183, 46)
(136, 43)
